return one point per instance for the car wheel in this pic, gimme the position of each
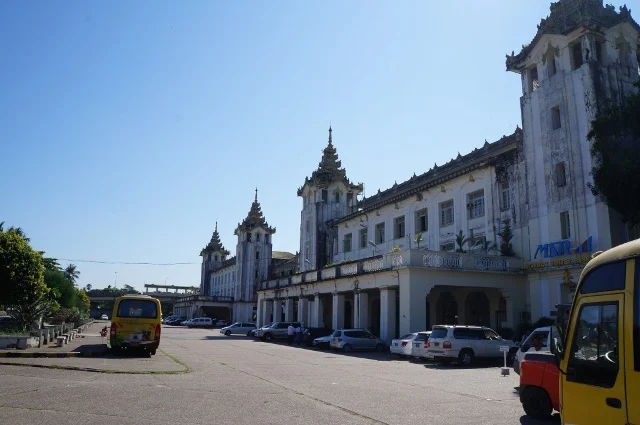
(249, 333)
(347, 348)
(380, 348)
(536, 403)
(227, 333)
(153, 352)
(268, 337)
(465, 357)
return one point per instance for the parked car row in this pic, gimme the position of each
(196, 322)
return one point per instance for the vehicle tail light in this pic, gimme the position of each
(426, 344)
(157, 336)
(404, 343)
(446, 345)
(112, 332)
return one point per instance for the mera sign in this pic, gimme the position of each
(563, 247)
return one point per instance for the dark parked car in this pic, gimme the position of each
(175, 321)
(309, 334)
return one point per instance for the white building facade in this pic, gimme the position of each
(496, 237)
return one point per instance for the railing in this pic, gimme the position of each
(405, 258)
(349, 269)
(441, 261)
(212, 298)
(373, 265)
(328, 273)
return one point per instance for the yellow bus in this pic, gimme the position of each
(599, 359)
(136, 322)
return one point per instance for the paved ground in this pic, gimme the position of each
(235, 380)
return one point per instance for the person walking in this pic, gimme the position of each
(298, 332)
(290, 333)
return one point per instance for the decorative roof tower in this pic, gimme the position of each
(214, 245)
(329, 171)
(255, 219)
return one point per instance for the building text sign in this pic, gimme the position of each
(561, 248)
(559, 262)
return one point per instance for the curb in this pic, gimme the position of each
(15, 355)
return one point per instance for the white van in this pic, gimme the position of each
(200, 322)
(527, 345)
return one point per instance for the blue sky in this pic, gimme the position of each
(127, 129)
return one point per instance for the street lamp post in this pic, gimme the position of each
(115, 284)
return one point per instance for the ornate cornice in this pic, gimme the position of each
(214, 245)
(255, 219)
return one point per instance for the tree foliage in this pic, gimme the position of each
(82, 301)
(506, 235)
(615, 150)
(461, 241)
(22, 287)
(63, 288)
(72, 273)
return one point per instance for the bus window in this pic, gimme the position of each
(608, 277)
(594, 354)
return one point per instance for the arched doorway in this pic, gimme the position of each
(477, 309)
(446, 309)
(374, 313)
(348, 315)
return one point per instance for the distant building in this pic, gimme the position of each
(433, 249)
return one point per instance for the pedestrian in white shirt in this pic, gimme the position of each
(290, 333)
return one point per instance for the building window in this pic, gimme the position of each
(346, 243)
(561, 175)
(475, 203)
(257, 236)
(555, 118)
(505, 196)
(565, 225)
(550, 58)
(308, 225)
(257, 255)
(380, 233)
(446, 213)
(576, 55)
(248, 237)
(215, 258)
(534, 82)
(422, 225)
(363, 237)
(447, 247)
(337, 197)
(398, 227)
(325, 195)
(349, 198)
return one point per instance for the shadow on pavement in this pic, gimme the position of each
(91, 348)
(527, 420)
(221, 337)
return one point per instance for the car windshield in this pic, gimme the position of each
(438, 333)
(142, 309)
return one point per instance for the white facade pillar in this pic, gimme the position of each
(338, 311)
(277, 310)
(361, 310)
(303, 311)
(288, 310)
(317, 312)
(387, 314)
(266, 312)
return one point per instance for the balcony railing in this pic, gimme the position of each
(212, 298)
(408, 258)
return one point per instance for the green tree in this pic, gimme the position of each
(82, 301)
(486, 246)
(64, 290)
(418, 239)
(506, 235)
(88, 287)
(22, 287)
(72, 273)
(461, 241)
(50, 263)
(615, 134)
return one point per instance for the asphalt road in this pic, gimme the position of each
(236, 380)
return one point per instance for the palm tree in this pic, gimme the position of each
(486, 246)
(71, 273)
(461, 241)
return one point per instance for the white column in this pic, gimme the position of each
(277, 310)
(288, 310)
(338, 311)
(361, 310)
(318, 312)
(387, 314)
(266, 312)
(259, 311)
(303, 309)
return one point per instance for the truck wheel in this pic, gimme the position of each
(536, 403)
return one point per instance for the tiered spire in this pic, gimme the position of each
(214, 245)
(329, 170)
(255, 219)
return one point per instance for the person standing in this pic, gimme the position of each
(298, 332)
(290, 333)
